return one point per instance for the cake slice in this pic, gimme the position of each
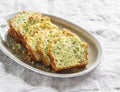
(34, 34)
(33, 26)
(18, 20)
(24, 23)
(21, 18)
(43, 42)
(67, 52)
(31, 45)
(25, 26)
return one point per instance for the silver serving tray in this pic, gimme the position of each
(95, 50)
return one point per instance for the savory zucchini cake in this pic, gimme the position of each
(24, 25)
(57, 48)
(34, 34)
(44, 42)
(18, 20)
(67, 52)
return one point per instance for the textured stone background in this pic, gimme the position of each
(99, 17)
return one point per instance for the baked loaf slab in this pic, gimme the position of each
(59, 48)
(67, 52)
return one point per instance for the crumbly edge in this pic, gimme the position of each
(44, 60)
(18, 37)
(32, 52)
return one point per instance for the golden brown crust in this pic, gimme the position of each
(68, 32)
(84, 44)
(52, 59)
(78, 65)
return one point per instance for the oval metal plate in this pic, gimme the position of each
(95, 50)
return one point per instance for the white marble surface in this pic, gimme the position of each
(99, 17)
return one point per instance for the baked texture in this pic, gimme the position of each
(59, 48)
(31, 45)
(44, 42)
(36, 33)
(24, 27)
(67, 52)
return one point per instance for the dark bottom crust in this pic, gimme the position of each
(17, 36)
(14, 35)
(79, 65)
